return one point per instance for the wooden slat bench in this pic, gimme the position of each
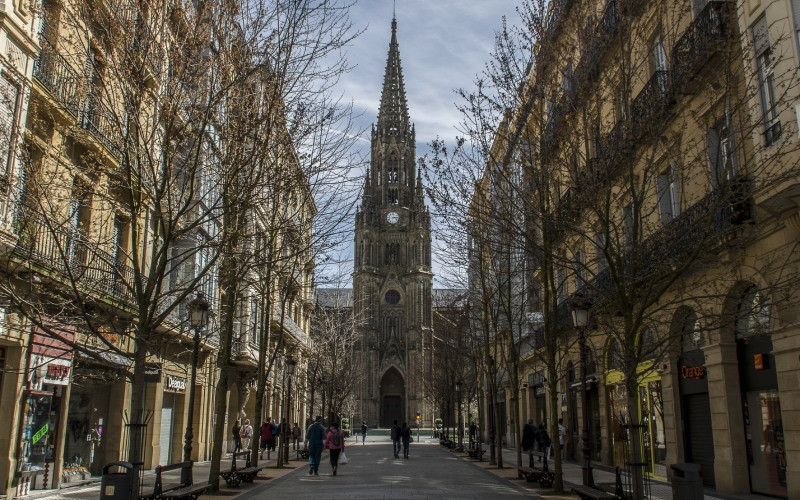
(177, 491)
(541, 474)
(587, 492)
(235, 476)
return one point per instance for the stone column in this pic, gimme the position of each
(731, 472)
(786, 348)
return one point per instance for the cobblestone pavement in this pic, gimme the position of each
(372, 473)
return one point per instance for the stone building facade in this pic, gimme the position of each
(392, 278)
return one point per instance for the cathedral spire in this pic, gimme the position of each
(393, 113)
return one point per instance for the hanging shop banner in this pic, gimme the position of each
(47, 370)
(152, 373)
(174, 384)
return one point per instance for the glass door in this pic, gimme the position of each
(766, 450)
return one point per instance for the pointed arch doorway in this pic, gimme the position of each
(393, 389)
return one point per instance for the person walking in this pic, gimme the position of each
(544, 441)
(246, 432)
(265, 434)
(315, 437)
(396, 439)
(363, 433)
(334, 442)
(473, 430)
(405, 436)
(237, 439)
(529, 440)
(296, 435)
(562, 435)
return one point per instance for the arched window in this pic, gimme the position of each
(614, 356)
(392, 170)
(648, 344)
(692, 337)
(753, 315)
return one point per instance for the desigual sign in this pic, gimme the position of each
(175, 384)
(696, 372)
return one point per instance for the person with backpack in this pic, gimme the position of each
(246, 432)
(405, 436)
(335, 444)
(266, 437)
(363, 433)
(396, 439)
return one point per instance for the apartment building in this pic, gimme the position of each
(667, 133)
(114, 216)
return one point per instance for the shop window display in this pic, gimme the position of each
(37, 432)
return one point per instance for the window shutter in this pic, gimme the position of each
(9, 94)
(664, 201)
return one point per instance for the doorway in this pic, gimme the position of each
(392, 393)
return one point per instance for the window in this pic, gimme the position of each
(691, 335)
(9, 102)
(392, 175)
(392, 297)
(628, 222)
(766, 81)
(561, 278)
(579, 270)
(669, 202)
(721, 153)
(658, 54)
(600, 245)
(754, 315)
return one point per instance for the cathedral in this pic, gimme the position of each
(392, 278)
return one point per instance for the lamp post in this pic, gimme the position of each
(460, 424)
(199, 311)
(290, 365)
(580, 318)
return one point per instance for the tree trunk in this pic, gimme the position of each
(517, 435)
(218, 438)
(635, 448)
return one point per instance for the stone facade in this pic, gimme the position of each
(392, 278)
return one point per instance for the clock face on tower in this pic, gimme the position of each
(392, 217)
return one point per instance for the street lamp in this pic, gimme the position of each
(580, 318)
(290, 365)
(199, 312)
(460, 423)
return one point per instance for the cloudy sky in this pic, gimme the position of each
(444, 44)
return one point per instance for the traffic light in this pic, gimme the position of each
(418, 417)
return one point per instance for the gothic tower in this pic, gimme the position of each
(392, 278)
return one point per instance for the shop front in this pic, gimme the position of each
(171, 415)
(761, 404)
(43, 401)
(651, 424)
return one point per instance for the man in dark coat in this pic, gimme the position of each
(529, 432)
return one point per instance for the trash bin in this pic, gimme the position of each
(117, 485)
(686, 482)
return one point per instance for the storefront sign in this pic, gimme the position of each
(696, 372)
(152, 373)
(175, 384)
(760, 361)
(40, 433)
(47, 370)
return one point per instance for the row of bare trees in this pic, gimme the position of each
(591, 168)
(180, 147)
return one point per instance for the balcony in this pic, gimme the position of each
(146, 45)
(98, 119)
(58, 77)
(650, 106)
(69, 255)
(702, 39)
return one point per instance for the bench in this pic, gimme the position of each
(587, 492)
(178, 491)
(542, 474)
(302, 454)
(235, 476)
(476, 453)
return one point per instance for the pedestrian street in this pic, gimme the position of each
(372, 472)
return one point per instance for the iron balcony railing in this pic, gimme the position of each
(97, 118)
(704, 37)
(649, 107)
(146, 44)
(57, 76)
(64, 250)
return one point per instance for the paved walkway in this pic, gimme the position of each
(372, 472)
